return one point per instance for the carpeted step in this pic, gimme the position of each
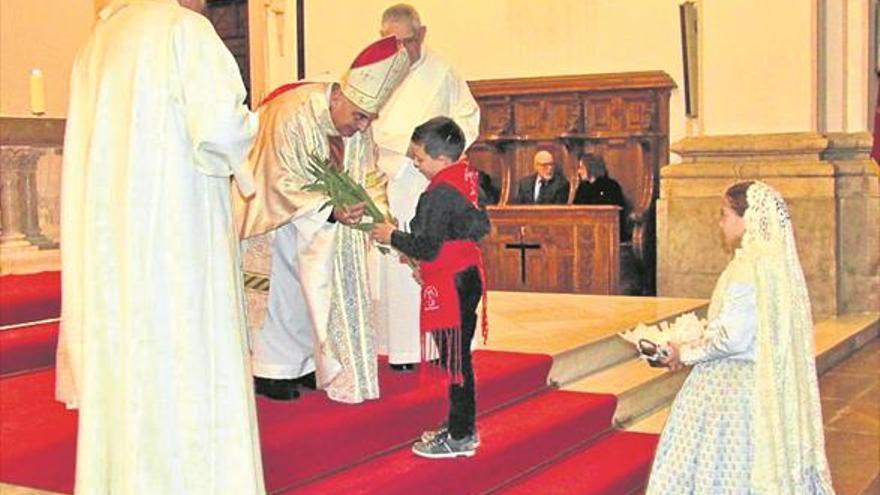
(28, 348)
(300, 439)
(617, 463)
(337, 435)
(32, 297)
(37, 434)
(514, 439)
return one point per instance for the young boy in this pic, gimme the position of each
(448, 223)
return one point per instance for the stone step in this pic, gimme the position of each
(653, 422)
(7, 489)
(592, 357)
(838, 338)
(29, 260)
(644, 393)
(639, 388)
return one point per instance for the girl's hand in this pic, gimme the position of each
(673, 359)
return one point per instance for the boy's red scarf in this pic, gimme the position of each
(440, 310)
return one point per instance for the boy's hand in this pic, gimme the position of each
(381, 233)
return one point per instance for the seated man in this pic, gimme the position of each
(545, 186)
(596, 188)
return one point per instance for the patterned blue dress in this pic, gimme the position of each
(706, 446)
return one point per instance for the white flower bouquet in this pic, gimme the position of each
(652, 341)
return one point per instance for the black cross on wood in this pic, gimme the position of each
(522, 246)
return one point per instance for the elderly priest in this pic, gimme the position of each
(317, 317)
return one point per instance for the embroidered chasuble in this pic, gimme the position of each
(323, 306)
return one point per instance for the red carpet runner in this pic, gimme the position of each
(38, 435)
(33, 297)
(28, 348)
(534, 439)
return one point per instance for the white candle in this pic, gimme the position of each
(38, 93)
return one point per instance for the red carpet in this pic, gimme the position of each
(535, 440)
(32, 297)
(336, 435)
(513, 440)
(618, 463)
(38, 435)
(28, 348)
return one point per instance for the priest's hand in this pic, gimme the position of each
(350, 215)
(673, 358)
(381, 232)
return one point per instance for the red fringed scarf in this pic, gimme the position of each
(440, 310)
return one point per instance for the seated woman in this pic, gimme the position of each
(748, 418)
(596, 188)
(488, 189)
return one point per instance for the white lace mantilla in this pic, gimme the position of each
(787, 437)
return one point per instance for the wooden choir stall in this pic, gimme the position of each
(623, 118)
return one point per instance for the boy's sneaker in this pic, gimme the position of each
(429, 435)
(443, 446)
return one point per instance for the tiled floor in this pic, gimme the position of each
(851, 409)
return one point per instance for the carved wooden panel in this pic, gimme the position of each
(543, 117)
(529, 117)
(553, 249)
(496, 118)
(622, 117)
(601, 113)
(639, 113)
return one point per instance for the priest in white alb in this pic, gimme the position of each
(153, 347)
(432, 88)
(317, 316)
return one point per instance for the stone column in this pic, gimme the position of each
(31, 199)
(858, 219)
(690, 250)
(12, 160)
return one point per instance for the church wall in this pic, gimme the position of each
(758, 66)
(758, 60)
(858, 216)
(42, 34)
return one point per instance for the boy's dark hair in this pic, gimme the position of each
(440, 136)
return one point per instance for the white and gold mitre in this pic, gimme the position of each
(375, 73)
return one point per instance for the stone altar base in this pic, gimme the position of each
(832, 188)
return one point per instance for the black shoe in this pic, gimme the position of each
(276, 389)
(307, 381)
(403, 367)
